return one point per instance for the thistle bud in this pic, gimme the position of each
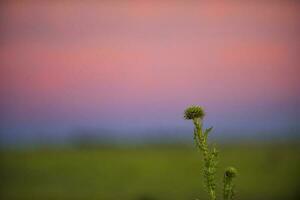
(230, 172)
(194, 112)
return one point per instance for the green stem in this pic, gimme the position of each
(228, 189)
(209, 159)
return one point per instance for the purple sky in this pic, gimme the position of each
(134, 66)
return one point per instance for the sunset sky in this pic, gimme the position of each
(132, 66)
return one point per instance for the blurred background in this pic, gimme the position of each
(93, 94)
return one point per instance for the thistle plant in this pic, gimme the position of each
(210, 155)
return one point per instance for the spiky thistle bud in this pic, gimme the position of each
(194, 112)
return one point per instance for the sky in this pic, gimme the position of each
(133, 66)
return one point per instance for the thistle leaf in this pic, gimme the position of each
(207, 131)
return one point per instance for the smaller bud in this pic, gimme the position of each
(230, 172)
(194, 112)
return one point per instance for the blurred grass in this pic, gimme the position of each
(266, 171)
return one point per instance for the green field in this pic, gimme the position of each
(266, 171)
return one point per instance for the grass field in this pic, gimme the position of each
(266, 171)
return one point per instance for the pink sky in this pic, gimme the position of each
(141, 63)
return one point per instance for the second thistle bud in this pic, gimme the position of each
(230, 172)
